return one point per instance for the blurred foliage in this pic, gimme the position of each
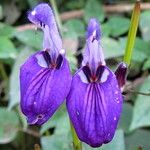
(16, 45)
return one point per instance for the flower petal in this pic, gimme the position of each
(43, 90)
(94, 108)
(42, 16)
(121, 74)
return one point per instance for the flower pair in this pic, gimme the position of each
(94, 98)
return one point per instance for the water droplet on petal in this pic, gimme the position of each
(118, 102)
(116, 92)
(78, 113)
(40, 116)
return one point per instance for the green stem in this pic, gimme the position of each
(54, 6)
(3, 73)
(77, 145)
(132, 32)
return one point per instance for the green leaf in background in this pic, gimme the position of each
(7, 49)
(72, 61)
(126, 117)
(138, 138)
(141, 49)
(33, 3)
(141, 111)
(61, 139)
(118, 25)
(6, 30)
(142, 46)
(146, 64)
(14, 88)
(59, 120)
(31, 38)
(1, 12)
(145, 25)
(72, 5)
(9, 124)
(106, 29)
(93, 9)
(56, 142)
(111, 48)
(116, 144)
(11, 12)
(73, 29)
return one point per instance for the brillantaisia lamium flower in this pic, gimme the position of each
(94, 102)
(45, 77)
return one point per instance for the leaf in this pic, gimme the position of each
(111, 48)
(116, 144)
(32, 3)
(141, 111)
(14, 88)
(73, 29)
(142, 46)
(138, 138)
(6, 30)
(30, 38)
(9, 124)
(145, 24)
(140, 50)
(72, 62)
(1, 12)
(126, 117)
(146, 64)
(61, 139)
(11, 12)
(59, 116)
(7, 49)
(106, 29)
(93, 9)
(118, 25)
(56, 142)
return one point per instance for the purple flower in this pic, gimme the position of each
(95, 101)
(45, 77)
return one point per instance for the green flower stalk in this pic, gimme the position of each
(132, 33)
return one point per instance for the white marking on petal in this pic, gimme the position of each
(104, 75)
(115, 118)
(94, 33)
(41, 60)
(62, 51)
(33, 12)
(83, 77)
